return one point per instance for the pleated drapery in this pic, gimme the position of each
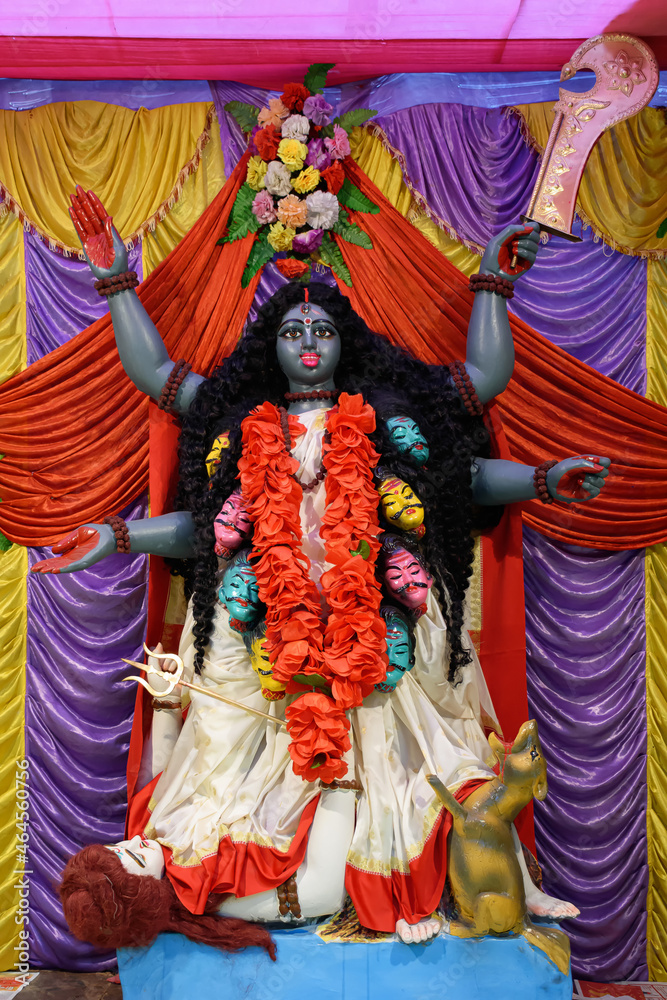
(137, 161)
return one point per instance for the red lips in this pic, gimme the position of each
(310, 360)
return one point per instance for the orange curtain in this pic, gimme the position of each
(73, 429)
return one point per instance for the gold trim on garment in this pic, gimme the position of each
(385, 866)
(195, 858)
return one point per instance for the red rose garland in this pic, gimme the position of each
(350, 653)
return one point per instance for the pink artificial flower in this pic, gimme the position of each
(264, 208)
(339, 146)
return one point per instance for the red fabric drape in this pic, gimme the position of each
(555, 406)
(73, 428)
(74, 433)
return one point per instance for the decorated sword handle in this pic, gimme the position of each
(626, 78)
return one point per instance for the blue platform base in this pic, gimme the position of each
(447, 968)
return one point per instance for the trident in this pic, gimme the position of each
(175, 680)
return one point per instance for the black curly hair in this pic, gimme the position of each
(394, 383)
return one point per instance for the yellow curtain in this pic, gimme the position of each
(656, 652)
(13, 624)
(12, 301)
(13, 617)
(623, 194)
(136, 161)
(199, 191)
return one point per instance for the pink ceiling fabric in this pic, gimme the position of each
(356, 20)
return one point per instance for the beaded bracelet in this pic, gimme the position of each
(120, 530)
(173, 384)
(491, 283)
(117, 283)
(540, 481)
(465, 388)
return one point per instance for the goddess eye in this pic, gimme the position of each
(323, 331)
(290, 333)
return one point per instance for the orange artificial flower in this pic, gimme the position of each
(319, 731)
(292, 268)
(292, 211)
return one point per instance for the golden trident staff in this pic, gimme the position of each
(174, 680)
(626, 78)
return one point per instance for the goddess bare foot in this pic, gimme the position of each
(542, 905)
(420, 932)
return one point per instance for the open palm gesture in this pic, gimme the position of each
(102, 245)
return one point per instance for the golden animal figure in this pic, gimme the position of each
(483, 868)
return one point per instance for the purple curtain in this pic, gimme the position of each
(586, 688)
(78, 712)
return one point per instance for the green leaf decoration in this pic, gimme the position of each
(316, 77)
(332, 256)
(351, 119)
(353, 234)
(261, 254)
(662, 229)
(364, 550)
(5, 544)
(241, 219)
(352, 198)
(311, 680)
(245, 114)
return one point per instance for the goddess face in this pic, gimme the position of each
(308, 346)
(399, 650)
(232, 525)
(239, 592)
(406, 579)
(400, 505)
(408, 439)
(139, 856)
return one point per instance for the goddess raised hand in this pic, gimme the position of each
(490, 348)
(142, 353)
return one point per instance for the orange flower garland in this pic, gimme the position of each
(294, 630)
(350, 651)
(354, 642)
(319, 732)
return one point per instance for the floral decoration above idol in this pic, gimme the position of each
(296, 198)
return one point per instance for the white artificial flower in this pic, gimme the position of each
(322, 209)
(296, 127)
(277, 179)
